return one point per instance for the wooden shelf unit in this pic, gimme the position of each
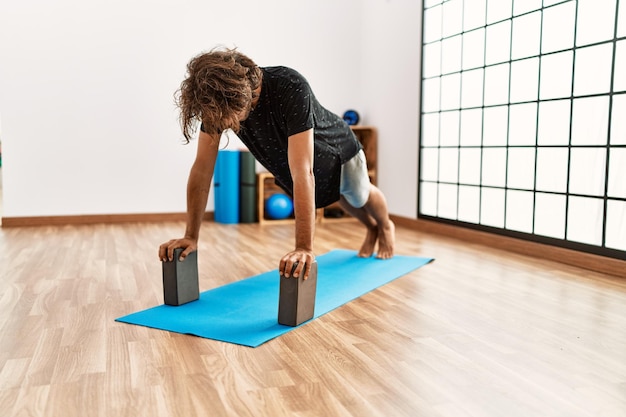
(367, 135)
(265, 188)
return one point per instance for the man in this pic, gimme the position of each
(313, 154)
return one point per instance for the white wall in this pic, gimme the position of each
(391, 55)
(86, 91)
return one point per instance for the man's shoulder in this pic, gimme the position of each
(283, 73)
(279, 70)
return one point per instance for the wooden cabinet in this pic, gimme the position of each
(367, 135)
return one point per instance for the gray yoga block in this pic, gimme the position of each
(296, 301)
(180, 279)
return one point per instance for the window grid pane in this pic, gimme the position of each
(522, 130)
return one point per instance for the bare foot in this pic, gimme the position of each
(367, 248)
(386, 241)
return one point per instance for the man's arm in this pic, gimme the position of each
(300, 155)
(198, 186)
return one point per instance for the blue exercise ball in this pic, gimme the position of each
(351, 117)
(278, 206)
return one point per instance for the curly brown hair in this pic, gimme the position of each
(218, 88)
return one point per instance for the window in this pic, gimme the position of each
(523, 120)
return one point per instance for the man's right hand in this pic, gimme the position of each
(166, 250)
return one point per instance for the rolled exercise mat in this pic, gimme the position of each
(226, 183)
(247, 187)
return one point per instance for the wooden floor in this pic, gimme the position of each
(479, 332)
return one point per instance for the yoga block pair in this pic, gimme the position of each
(296, 301)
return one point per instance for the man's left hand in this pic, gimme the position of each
(302, 259)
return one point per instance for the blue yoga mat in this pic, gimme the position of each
(246, 312)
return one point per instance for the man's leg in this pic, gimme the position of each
(375, 217)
